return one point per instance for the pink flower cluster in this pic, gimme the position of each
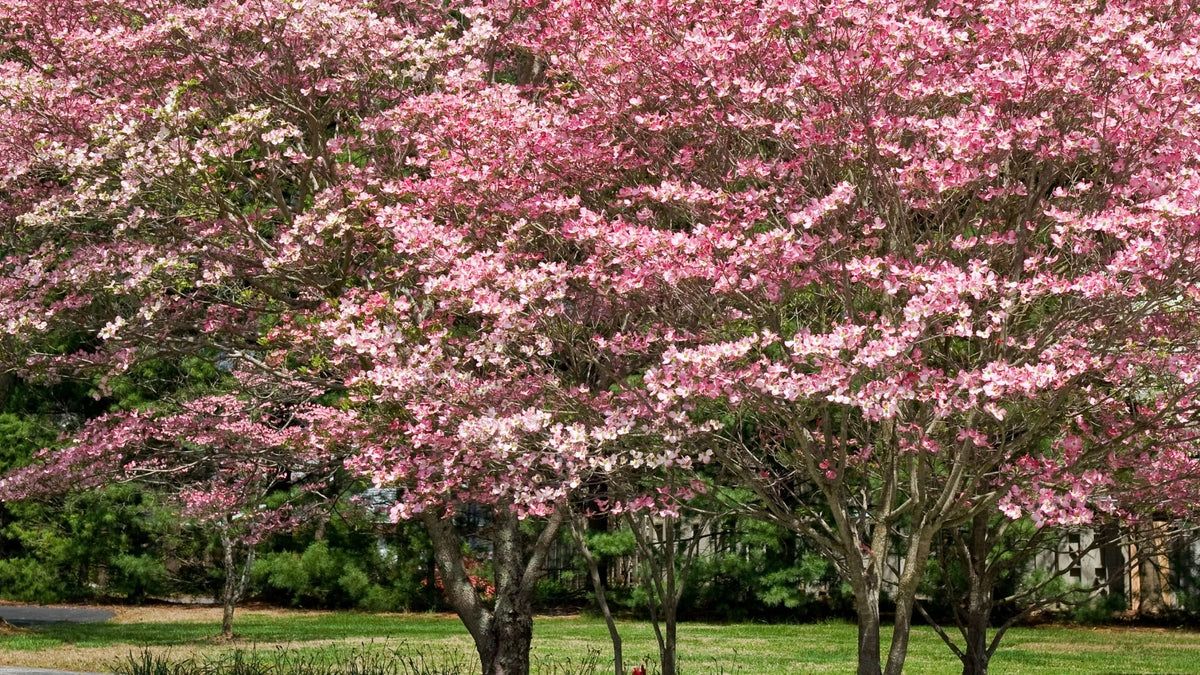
(552, 242)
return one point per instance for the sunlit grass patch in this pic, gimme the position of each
(559, 642)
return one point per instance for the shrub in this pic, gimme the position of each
(1100, 609)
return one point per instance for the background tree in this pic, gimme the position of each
(221, 461)
(669, 535)
(988, 579)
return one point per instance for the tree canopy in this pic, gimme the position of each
(889, 263)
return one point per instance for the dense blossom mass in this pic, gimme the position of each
(886, 262)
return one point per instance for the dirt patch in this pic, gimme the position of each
(164, 612)
(207, 613)
(195, 613)
(1067, 647)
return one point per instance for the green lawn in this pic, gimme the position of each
(746, 649)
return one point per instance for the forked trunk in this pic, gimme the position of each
(916, 555)
(235, 582)
(980, 582)
(502, 637)
(663, 578)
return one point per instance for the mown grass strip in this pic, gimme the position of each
(744, 649)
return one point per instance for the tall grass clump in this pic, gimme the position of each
(364, 660)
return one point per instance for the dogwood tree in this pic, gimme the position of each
(234, 469)
(338, 195)
(880, 258)
(939, 256)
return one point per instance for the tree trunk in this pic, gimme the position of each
(601, 597)
(228, 598)
(670, 623)
(866, 604)
(512, 634)
(236, 581)
(227, 606)
(502, 637)
(901, 630)
(1152, 569)
(976, 656)
(916, 556)
(670, 600)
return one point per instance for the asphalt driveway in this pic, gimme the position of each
(29, 615)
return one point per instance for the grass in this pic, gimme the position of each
(744, 649)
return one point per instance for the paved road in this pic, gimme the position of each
(26, 615)
(22, 670)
